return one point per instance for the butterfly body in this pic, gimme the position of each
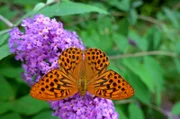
(82, 71)
(82, 84)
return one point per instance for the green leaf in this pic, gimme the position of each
(172, 17)
(28, 106)
(3, 33)
(4, 9)
(135, 112)
(49, 1)
(6, 91)
(96, 41)
(5, 106)
(15, 72)
(45, 115)
(121, 42)
(94, 36)
(25, 3)
(132, 18)
(123, 5)
(140, 71)
(154, 37)
(177, 64)
(155, 72)
(140, 90)
(176, 108)
(136, 4)
(4, 51)
(114, 66)
(62, 9)
(177, 48)
(70, 8)
(11, 116)
(140, 41)
(169, 33)
(89, 42)
(124, 27)
(4, 38)
(38, 7)
(122, 115)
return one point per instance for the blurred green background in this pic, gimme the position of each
(141, 37)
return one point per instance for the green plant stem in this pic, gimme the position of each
(6, 21)
(149, 105)
(140, 54)
(141, 17)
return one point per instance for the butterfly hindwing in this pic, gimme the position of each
(53, 86)
(110, 85)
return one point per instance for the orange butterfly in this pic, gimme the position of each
(80, 72)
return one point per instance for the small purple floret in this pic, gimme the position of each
(132, 42)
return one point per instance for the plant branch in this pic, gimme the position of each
(6, 21)
(140, 54)
(149, 105)
(150, 19)
(176, 7)
(158, 109)
(125, 101)
(121, 14)
(142, 17)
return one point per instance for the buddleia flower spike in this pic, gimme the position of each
(39, 48)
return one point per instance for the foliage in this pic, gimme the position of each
(141, 38)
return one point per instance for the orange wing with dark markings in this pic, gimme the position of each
(103, 83)
(54, 85)
(70, 62)
(111, 85)
(96, 62)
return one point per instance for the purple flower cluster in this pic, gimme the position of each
(38, 48)
(40, 45)
(87, 107)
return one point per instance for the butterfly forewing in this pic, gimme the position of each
(70, 61)
(111, 85)
(53, 86)
(96, 62)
